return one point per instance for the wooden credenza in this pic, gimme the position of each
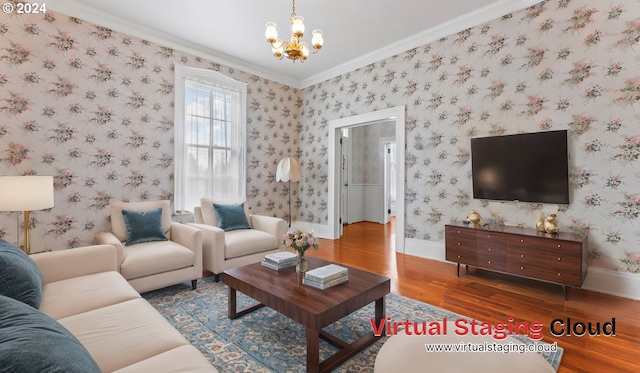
(559, 258)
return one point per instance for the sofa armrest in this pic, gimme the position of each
(213, 245)
(81, 261)
(108, 238)
(271, 225)
(191, 238)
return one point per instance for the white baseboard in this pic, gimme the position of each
(319, 230)
(598, 279)
(424, 249)
(606, 281)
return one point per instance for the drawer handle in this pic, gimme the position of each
(459, 243)
(558, 274)
(522, 255)
(489, 262)
(521, 240)
(558, 259)
(458, 256)
(489, 249)
(559, 245)
(489, 236)
(458, 231)
(521, 267)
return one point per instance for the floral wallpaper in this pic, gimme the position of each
(561, 64)
(94, 108)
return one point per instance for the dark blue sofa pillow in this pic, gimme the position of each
(31, 341)
(231, 217)
(20, 277)
(143, 226)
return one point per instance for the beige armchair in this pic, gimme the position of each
(222, 250)
(145, 259)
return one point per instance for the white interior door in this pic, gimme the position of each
(344, 178)
(390, 179)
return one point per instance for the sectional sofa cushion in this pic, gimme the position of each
(124, 334)
(143, 226)
(85, 293)
(231, 217)
(20, 278)
(181, 359)
(31, 341)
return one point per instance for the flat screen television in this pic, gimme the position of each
(527, 167)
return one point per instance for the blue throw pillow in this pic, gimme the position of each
(20, 277)
(143, 226)
(231, 217)
(31, 341)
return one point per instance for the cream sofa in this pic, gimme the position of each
(84, 292)
(231, 249)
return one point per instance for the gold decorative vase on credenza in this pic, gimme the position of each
(474, 217)
(551, 224)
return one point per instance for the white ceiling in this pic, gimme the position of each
(356, 32)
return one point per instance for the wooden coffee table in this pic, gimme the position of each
(284, 292)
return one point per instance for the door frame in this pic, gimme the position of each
(383, 175)
(395, 114)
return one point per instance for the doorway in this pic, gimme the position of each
(396, 116)
(368, 184)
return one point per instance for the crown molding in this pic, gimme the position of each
(98, 17)
(477, 17)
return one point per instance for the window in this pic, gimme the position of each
(210, 139)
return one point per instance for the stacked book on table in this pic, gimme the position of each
(326, 276)
(280, 260)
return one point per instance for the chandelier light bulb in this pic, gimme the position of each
(317, 40)
(277, 50)
(271, 32)
(304, 47)
(297, 25)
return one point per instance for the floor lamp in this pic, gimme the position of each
(26, 194)
(288, 170)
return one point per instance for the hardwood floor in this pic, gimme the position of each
(493, 297)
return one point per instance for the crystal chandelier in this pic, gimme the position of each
(293, 50)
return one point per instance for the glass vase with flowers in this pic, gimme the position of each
(300, 242)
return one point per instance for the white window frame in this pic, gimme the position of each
(215, 78)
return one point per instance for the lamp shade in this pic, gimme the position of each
(26, 193)
(288, 170)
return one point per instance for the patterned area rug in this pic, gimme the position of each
(266, 341)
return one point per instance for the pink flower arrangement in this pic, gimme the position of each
(300, 241)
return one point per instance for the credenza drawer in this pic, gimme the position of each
(460, 245)
(545, 264)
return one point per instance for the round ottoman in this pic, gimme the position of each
(407, 354)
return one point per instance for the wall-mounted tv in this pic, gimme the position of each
(526, 167)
